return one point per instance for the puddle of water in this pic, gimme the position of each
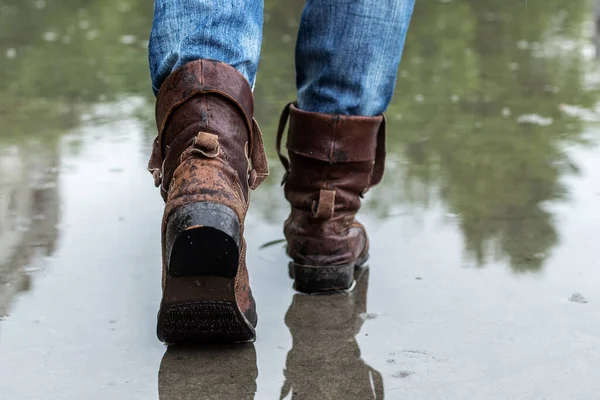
(483, 280)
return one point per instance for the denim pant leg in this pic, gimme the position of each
(347, 54)
(229, 31)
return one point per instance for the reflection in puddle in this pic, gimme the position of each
(219, 372)
(325, 360)
(29, 214)
(491, 163)
(497, 152)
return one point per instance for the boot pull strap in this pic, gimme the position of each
(258, 158)
(205, 145)
(379, 164)
(280, 131)
(325, 206)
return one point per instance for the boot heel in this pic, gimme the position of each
(313, 279)
(203, 239)
(199, 302)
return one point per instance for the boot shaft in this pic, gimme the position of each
(205, 109)
(334, 160)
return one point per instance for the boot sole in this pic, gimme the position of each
(199, 304)
(319, 279)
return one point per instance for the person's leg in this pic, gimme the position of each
(347, 58)
(207, 156)
(229, 31)
(347, 54)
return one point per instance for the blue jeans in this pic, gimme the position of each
(347, 53)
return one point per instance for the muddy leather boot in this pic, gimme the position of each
(333, 161)
(207, 155)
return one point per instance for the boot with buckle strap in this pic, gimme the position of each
(333, 161)
(208, 153)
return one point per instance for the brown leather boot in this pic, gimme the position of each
(208, 153)
(334, 160)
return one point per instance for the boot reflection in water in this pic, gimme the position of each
(208, 373)
(325, 361)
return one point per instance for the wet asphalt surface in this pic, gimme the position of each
(484, 276)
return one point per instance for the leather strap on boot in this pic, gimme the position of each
(204, 77)
(333, 139)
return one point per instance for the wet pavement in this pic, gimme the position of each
(484, 276)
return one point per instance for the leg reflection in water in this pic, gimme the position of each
(208, 373)
(325, 361)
